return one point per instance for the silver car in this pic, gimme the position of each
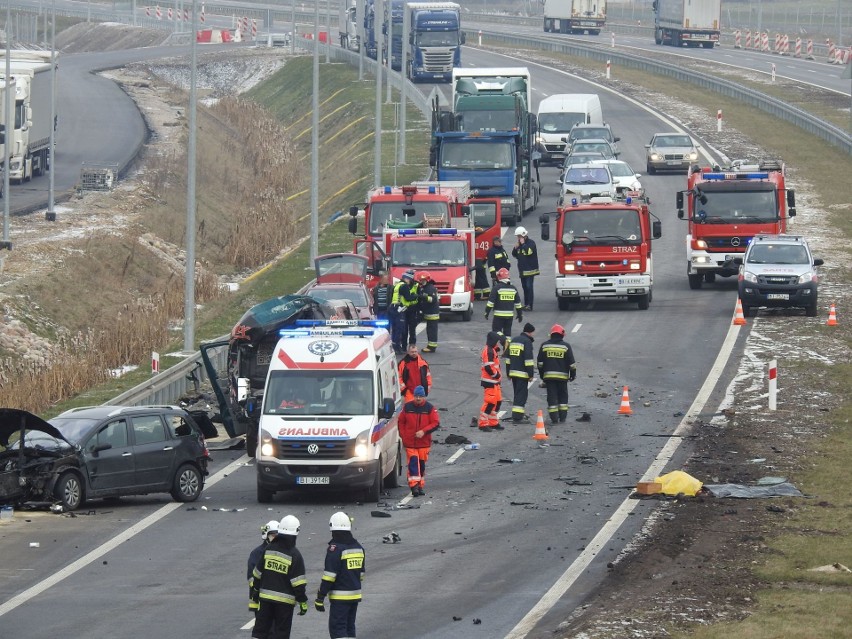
(586, 181)
(626, 180)
(671, 152)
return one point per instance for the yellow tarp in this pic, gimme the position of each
(678, 482)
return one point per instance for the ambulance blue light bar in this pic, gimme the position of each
(735, 176)
(403, 232)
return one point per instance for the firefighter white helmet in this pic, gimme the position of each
(289, 525)
(340, 521)
(269, 527)
(521, 231)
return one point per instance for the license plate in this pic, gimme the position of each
(778, 296)
(673, 162)
(313, 480)
(633, 280)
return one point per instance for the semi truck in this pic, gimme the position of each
(372, 29)
(347, 25)
(603, 250)
(574, 16)
(491, 99)
(687, 23)
(29, 142)
(725, 209)
(434, 40)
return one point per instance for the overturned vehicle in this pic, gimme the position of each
(239, 387)
(33, 457)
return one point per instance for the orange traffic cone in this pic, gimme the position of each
(625, 403)
(739, 318)
(832, 317)
(540, 432)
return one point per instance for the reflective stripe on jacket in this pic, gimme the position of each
(555, 359)
(344, 569)
(280, 575)
(504, 300)
(491, 374)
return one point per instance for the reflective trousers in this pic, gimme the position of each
(273, 620)
(492, 397)
(557, 399)
(521, 391)
(416, 466)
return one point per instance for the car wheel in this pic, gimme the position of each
(69, 491)
(811, 309)
(188, 483)
(264, 495)
(695, 280)
(564, 303)
(392, 479)
(749, 311)
(374, 492)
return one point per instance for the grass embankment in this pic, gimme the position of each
(253, 203)
(796, 603)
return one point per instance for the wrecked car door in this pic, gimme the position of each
(108, 458)
(154, 452)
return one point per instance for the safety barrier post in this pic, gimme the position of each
(810, 50)
(748, 39)
(798, 53)
(613, 39)
(773, 384)
(480, 37)
(773, 72)
(738, 40)
(719, 121)
(608, 66)
(777, 43)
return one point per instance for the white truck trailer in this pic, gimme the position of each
(347, 25)
(574, 16)
(687, 23)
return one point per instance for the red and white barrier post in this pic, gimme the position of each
(719, 121)
(831, 50)
(608, 67)
(147, 12)
(253, 28)
(777, 43)
(810, 50)
(186, 15)
(159, 13)
(766, 41)
(170, 13)
(798, 53)
(773, 384)
(748, 39)
(738, 43)
(757, 41)
(785, 44)
(201, 17)
(155, 362)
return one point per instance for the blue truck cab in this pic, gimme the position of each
(434, 41)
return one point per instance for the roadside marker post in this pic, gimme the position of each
(773, 384)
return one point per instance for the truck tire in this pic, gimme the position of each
(563, 303)
(644, 301)
(709, 277)
(695, 280)
(264, 495)
(467, 315)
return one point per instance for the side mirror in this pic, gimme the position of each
(791, 203)
(738, 261)
(679, 203)
(465, 210)
(243, 385)
(353, 211)
(387, 409)
(616, 139)
(408, 211)
(818, 261)
(657, 229)
(544, 220)
(353, 225)
(378, 265)
(100, 447)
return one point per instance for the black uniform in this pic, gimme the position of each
(254, 558)
(504, 301)
(520, 365)
(496, 259)
(527, 256)
(279, 584)
(430, 310)
(556, 366)
(341, 581)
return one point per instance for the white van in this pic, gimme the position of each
(330, 407)
(556, 115)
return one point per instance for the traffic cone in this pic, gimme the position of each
(832, 317)
(540, 432)
(625, 403)
(739, 318)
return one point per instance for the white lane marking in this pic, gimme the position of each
(248, 626)
(576, 328)
(601, 540)
(455, 456)
(112, 544)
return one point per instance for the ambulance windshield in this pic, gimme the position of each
(319, 392)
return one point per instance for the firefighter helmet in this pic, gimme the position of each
(557, 330)
(289, 525)
(269, 527)
(340, 521)
(423, 276)
(521, 231)
(503, 274)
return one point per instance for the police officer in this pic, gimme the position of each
(341, 578)
(400, 301)
(527, 255)
(505, 302)
(556, 367)
(490, 378)
(520, 363)
(496, 259)
(267, 534)
(429, 308)
(279, 583)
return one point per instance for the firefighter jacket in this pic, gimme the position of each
(413, 418)
(556, 360)
(413, 373)
(520, 359)
(496, 259)
(527, 256)
(491, 374)
(280, 574)
(254, 557)
(504, 300)
(382, 296)
(344, 568)
(430, 302)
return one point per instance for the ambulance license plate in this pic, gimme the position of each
(778, 296)
(313, 480)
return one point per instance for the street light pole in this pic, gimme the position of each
(189, 282)
(8, 131)
(51, 213)
(315, 143)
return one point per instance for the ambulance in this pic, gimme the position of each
(330, 407)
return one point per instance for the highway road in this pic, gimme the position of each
(490, 538)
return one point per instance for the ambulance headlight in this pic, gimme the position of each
(267, 447)
(362, 446)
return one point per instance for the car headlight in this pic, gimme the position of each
(655, 157)
(458, 285)
(810, 276)
(693, 156)
(748, 276)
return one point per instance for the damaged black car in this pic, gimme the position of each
(102, 451)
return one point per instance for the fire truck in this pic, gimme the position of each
(725, 209)
(603, 250)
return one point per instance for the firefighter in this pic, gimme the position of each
(341, 578)
(430, 309)
(556, 367)
(417, 421)
(527, 255)
(520, 364)
(496, 259)
(279, 583)
(490, 381)
(413, 372)
(401, 299)
(505, 302)
(267, 534)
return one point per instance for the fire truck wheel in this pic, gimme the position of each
(467, 315)
(564, 303)
(644, 302)
(695, 280)
(709, 277)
